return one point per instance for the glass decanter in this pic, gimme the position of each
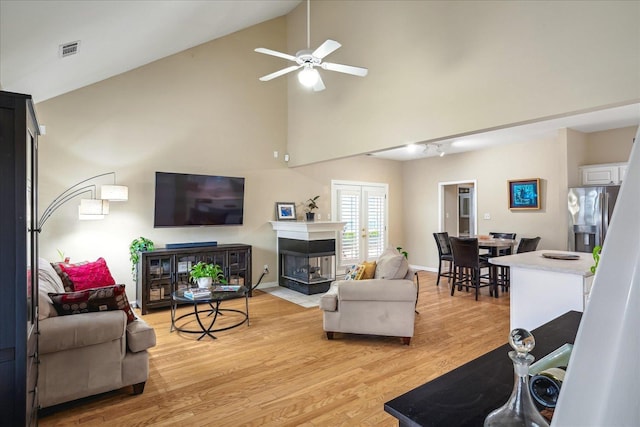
(519, 409)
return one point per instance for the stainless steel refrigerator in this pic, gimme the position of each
(590, 210)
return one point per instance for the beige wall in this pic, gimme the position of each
(491, 168)
(200, 111)
(611, 146)
(451, 208)
(443, 68)
(576, 152)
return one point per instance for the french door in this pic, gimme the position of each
(363, 206)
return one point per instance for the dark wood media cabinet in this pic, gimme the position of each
(163, 271)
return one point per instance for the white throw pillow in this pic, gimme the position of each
(48, 281)
(391, 265)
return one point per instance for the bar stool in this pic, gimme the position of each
(467, 265)
(528, 244)
(504, 276)
(444, 254)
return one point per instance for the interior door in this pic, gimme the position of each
(458, 207)
(364, 208)
(465, 211)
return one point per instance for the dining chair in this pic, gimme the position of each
(497, 235)
(528, 244)
(504, 275)
(467, 265)
(444, 255)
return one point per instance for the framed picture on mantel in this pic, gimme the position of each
(285, 211)
(524, 194)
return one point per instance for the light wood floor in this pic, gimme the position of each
(282, 371)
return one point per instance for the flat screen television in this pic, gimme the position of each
(183, 200)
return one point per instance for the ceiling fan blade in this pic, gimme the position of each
(348, 69)
(279, 73)
(326, 48)
(275, 53)
(319, 86)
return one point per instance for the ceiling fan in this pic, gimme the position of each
(308, 60)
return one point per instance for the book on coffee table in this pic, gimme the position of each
(226, 288)
(196, 293)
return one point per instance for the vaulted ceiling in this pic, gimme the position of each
(117, 36)
(114, 36)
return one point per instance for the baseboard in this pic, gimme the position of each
(267, 285)
(423, 268)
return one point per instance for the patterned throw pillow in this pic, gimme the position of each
(92, 300)
(66, 281)
(352, 272)
(360, 272)
(89, 275)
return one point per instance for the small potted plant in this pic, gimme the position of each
(205, 274)
(596, 258)
(309, 206)
(138, 245)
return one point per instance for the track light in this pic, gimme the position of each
(438, 148)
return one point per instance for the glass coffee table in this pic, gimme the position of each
(206, 310)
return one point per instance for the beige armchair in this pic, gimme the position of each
(380, 306)
(90, 353)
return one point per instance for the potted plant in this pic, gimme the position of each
(403, 252)
(205, 274)
(596, 258)
(309, 206)
(138, 245)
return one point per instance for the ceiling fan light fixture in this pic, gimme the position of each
(308, 76)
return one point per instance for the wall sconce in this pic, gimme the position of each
(89, 209)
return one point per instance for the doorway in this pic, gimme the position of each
(458, 208)
(363, 206)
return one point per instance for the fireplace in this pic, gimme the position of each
(307, 254)
(307, 266)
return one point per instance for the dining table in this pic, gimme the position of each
(494, 246)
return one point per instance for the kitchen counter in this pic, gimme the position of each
(542, 288)
(536, 261)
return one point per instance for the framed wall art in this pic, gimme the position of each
(524, 194)
(285, 211)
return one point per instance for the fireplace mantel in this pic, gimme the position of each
(302, 230)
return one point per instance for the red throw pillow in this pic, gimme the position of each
(90, 275)
(91, 300)
(57, 266)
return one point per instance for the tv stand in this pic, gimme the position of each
(163, 271)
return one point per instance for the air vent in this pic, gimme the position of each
(69, 49)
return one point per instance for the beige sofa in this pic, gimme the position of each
(380, 306)
(89, 353)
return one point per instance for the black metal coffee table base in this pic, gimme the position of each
(206, 318)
